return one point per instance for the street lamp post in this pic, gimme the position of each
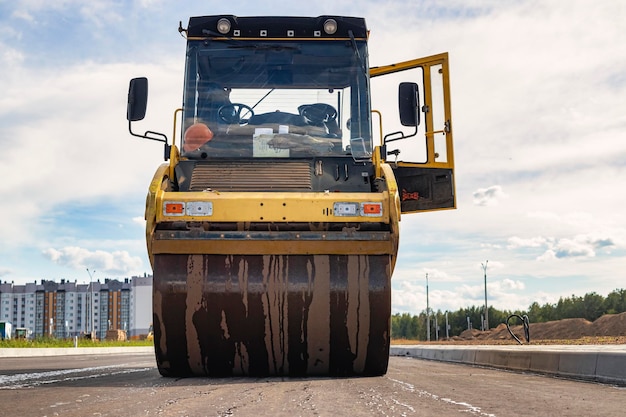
(486, 326)
(427, 312)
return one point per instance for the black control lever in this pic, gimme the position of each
(395, 152)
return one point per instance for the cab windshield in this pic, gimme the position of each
(276, 99)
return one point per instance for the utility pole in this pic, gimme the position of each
(93, 330)
(427, 312)
(486, 326)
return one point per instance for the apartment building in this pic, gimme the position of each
(67, 309)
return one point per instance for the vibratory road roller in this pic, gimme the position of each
(272, 228)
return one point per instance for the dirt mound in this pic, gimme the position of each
(471, 334)
(609, 325)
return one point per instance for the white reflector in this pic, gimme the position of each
(200, 208)
(346, 209)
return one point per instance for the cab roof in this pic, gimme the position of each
(276, 27)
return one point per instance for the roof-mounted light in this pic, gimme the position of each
(330, 26)
(223, 26)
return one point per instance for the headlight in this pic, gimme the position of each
(330, 26)
(223, 26)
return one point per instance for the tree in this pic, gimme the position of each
(615, 302)
(593, 306)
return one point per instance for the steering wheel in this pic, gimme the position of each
(318, 112)
(231, 113)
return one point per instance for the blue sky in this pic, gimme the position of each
(539, 113)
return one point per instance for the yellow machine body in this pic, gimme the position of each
(273, 245)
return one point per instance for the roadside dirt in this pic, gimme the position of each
(608, 329)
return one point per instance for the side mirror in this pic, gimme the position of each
(136, 110)
(137, 99)
(409, 104)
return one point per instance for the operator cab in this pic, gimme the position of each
(277, 92)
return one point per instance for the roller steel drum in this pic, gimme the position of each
(260, 315)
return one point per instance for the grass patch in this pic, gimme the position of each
(67, 343)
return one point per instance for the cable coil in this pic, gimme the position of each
(525, 324)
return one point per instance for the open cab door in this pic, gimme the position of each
(422, 160)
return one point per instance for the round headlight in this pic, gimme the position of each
(223, 26)
(330, 26)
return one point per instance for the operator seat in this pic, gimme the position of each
(322, 115)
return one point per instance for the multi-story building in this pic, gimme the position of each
(69, 309)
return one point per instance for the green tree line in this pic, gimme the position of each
(590, 307)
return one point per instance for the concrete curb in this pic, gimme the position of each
(599, 363)
(32, 352)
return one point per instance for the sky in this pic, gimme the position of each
(538, 114)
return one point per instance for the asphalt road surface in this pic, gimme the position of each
(129, 385)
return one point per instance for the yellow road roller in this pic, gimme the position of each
(272, 228)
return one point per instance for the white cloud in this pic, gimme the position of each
(490, 246)
(79, 145)
(146, 4)
(115, 263)
(23, 15)
(509, 284)
(548, 255)
(533, 242)
(579, 246)
(582, 246)
(488, 196)
(10, 57)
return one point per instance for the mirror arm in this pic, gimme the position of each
(401, 136)
(159, 137)
(148, 134)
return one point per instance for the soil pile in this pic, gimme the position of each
(610, 328)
